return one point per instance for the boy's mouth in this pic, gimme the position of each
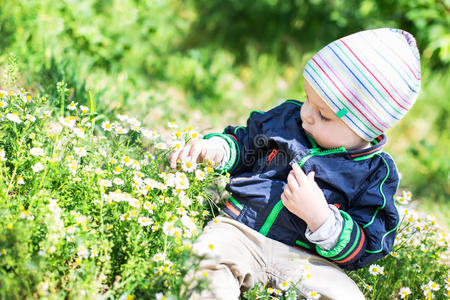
(309, 133)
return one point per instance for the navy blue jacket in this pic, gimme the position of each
(360, 183)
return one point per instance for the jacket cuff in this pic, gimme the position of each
(327, 235)
(351, 244)
(234, 151)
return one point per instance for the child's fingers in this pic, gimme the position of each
(287, 191)
(292, 181)
(196, 150)
(185, 152)
(173, 158)
(299, 174)
(217, 157)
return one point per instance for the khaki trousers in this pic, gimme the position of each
(238, 257)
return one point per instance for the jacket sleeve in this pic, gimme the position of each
(244, 142)
(371, 221)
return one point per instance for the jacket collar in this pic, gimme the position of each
(377, 145)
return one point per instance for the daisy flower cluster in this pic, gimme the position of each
(418, 264)
(90, 207)
(96, 199)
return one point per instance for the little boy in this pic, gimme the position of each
(311, 188)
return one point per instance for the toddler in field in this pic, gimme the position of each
(311, 188)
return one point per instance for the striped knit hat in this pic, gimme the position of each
(370, 79)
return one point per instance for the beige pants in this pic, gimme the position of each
(239, 257)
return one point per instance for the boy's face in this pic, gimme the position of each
(322, 124)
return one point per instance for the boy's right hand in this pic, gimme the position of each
(198, 150)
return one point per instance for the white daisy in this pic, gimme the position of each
(20, 180)
(122, 117)
(107, 126)
(145, 221)
(200, 175)
(159, 257)
(84, 109)
(81, 152)
(375, 269)
(14, 117)
(433, 286)
(105, 183)
(37, 167)
(2, 155)
(161, 146)
(121, 130)
(404, 292)
(150, 134)
(284, 285)
(82, 252)
(118, 181)
(68, 121)
(172, 125)
(30, 117)
(72, 106)
(313, 295)
(189, 166)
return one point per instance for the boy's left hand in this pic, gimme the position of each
(303, 197)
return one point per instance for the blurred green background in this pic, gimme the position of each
(209, 63)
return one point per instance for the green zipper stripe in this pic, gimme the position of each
(367, 156)
(312, 141)
(271, 218)
(234, 151)
(237, 155)
(237, 128)
(382, 239)
(255, 111)
(382, 194)
(315, 152)
(367, 79)
(276, 209)
(293, 102)
(304, 245)
(356, 242)
(344, 237)
(384, 203)
(238, 205)
(342, 103)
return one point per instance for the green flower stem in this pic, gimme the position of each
(43, 176)
(101, 212)
(11, 180)
(374, 288)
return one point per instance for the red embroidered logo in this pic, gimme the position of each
(271, 156)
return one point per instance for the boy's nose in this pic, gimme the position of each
(308, 117)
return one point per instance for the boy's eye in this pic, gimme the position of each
(323, 117)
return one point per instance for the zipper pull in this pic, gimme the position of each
(314, 151)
